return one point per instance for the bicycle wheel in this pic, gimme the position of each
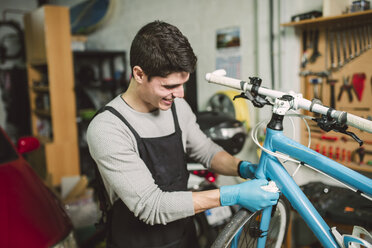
(245, 226)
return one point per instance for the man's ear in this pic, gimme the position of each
(138, 74)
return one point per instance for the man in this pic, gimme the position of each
(139, 142)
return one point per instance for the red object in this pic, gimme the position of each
(26, 144)
(326, 137)
(30, 214)
(343, 154)
(209, 176)
(324, 150)
(337, 153)
(317, 148)
(358, 84)
(330, 152)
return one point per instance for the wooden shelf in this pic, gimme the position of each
(330, 19)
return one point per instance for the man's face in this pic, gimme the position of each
(159, 92)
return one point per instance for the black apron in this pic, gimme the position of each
(166, 160)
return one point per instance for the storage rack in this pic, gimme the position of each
(51, 90)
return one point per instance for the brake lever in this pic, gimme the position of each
(329, 124)
(258, 100)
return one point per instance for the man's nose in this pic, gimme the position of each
(178, 91)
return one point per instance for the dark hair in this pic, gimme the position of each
(160, 49)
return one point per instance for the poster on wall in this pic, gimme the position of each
(228, 51)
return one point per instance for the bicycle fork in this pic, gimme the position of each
(264, 226)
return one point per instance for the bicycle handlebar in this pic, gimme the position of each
(218, 77)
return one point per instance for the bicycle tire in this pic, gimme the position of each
(248, 222)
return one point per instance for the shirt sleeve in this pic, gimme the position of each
(125, 175)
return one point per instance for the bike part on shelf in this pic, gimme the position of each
(224, 101)
(248, 194)
(223, 130)
(243, 230)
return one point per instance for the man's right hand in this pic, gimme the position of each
(249, 195)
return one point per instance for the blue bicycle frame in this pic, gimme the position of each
(270, 167)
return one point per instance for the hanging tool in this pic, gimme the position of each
(338, 49)
(343, 154)
(304, 59)
(332, 83)
(330, 152)
(331, 52)
(317, 89)
(368, 30)
(366, 37)
(346, 86)
(337, 153)
(317, 148)
(360, 41)
(358, 84)
(315, 42)
(350, 43)
(344, 49)
(361, 151)
(356, 52)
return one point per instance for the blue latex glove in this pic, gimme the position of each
(249, 195)
(246, 169)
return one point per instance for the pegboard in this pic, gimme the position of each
(340, 75)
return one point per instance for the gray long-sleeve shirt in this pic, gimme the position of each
(114, 148)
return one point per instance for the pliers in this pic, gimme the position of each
(346, 86)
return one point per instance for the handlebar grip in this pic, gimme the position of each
(359, 122)
(225, 81)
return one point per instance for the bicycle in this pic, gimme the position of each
(256, 229)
